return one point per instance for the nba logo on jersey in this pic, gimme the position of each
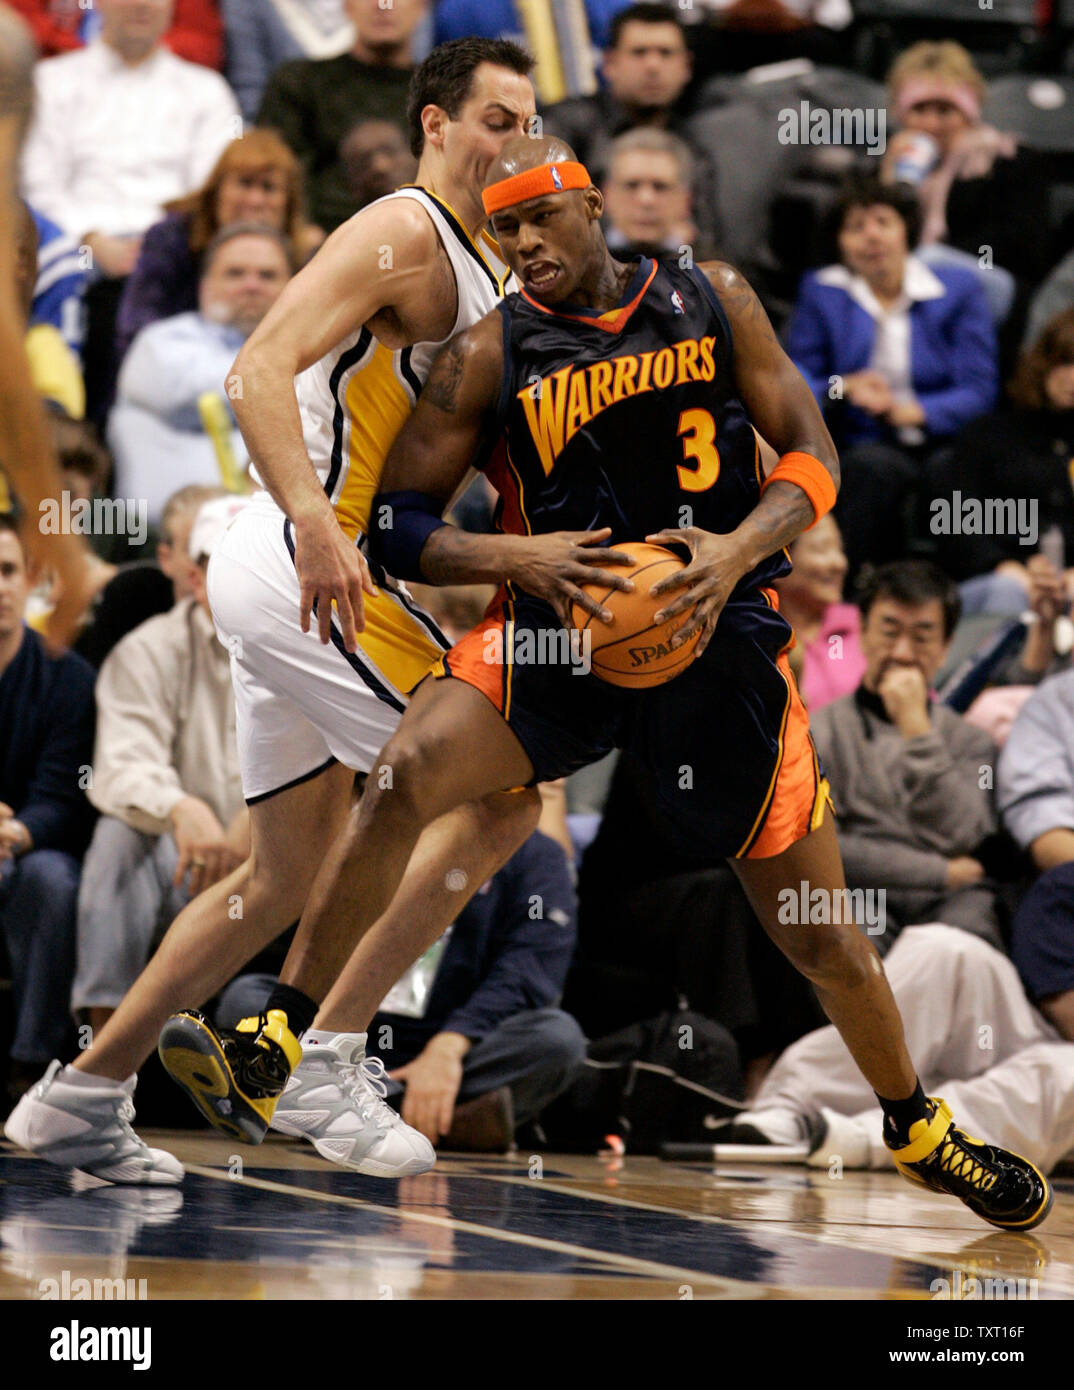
(556, 179)
(676, 302)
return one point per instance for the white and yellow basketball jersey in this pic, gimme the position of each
(354, 401)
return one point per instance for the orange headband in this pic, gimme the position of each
(546, 178)
(808, 473)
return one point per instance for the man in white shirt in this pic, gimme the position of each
(155, 430)
(166, 781)
(120, 127)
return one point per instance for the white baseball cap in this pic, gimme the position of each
(212, 520)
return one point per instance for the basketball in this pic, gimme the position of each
(633, 651)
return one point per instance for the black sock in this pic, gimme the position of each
(899, 1115)
(299, 1008)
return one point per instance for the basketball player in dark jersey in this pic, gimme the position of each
(612, 403)
(26, 454)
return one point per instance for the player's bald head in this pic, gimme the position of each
(530, 168)
(545, 210)
(523, 153)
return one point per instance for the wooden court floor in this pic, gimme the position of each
(276, 1222)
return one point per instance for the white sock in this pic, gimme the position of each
(87, 1079)
(779, 1125)
(321, 1037)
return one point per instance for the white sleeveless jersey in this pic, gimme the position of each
(354, 401)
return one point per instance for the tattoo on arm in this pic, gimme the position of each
(442, 387)
(781, 515)
(742, 305)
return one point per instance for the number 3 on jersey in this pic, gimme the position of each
(697, 430)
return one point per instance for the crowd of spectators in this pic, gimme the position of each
(187, 157)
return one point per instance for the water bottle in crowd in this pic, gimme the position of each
(918, 153)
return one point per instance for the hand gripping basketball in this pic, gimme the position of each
(637, 650)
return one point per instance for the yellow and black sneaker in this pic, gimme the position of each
(996, 1184)
(234, 1076)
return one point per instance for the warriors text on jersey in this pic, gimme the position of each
(628, 419)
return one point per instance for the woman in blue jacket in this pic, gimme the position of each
(900, 356)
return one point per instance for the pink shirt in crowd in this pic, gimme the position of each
(833, 664)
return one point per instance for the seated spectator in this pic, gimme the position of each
(195, 31)
(173, 548)
(905, 772)
(85, 467)
(1021, 452)
(976, 187)
(1044, 651)
(375, 160)
(120, 127)
(314, 102)
(263, 34)
(141, 589)
(647, 197)
(1016, 1091)
(46, 743)
(256, 180)
(62, 277)
(827, 659)
(647, 70)
(1035, 795)
(899, 356)
(53, 366)
(155, 431)
(166, 781)
(470, 1038)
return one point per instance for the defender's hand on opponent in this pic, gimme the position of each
(554, 566)
(330, 567)
(715, 568)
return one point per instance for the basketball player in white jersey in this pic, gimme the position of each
(320, 390)
(26, 453)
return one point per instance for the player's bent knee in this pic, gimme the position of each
(511, 817)
(410, 781)
(833, 958)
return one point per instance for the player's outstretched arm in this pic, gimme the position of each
(381, 259)
(785, 413)
(454, 418)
